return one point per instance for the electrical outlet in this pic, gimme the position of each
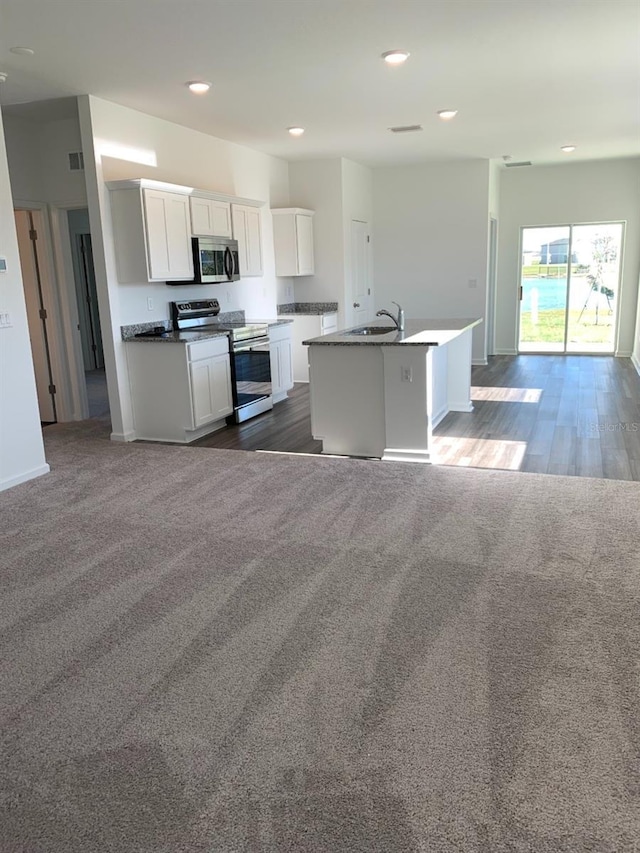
(406, 374)
(149, 304)
(5, 320)
(228, 296)
(289, 291)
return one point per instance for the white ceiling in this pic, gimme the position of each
(527, 76)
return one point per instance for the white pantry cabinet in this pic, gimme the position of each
(210, 217)
(152, 233)
(247, 230)
(179, 392)
(293, 241)
(307, 326)
(281, 362)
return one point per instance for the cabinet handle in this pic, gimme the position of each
(356, 304)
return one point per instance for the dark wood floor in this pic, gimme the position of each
(552, 414)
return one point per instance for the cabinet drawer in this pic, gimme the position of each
(329, 323)
(208, 348)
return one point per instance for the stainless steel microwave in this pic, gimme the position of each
(215, 259)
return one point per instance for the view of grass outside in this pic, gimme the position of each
(592, 288)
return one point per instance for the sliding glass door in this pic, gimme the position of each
(569, 281)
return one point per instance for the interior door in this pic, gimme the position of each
(360, 292)
(36, 314)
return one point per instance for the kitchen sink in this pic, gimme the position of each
(372, 330)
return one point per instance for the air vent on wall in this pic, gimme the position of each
(521, 163)
(407, 128)
(76, 161)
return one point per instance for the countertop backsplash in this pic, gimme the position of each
(308, 308)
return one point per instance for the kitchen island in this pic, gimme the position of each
(381, 394)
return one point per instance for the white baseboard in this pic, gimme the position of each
(506, 352)
(479, 362)
(123, 436)
(24, 477)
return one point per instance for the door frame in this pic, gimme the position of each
(349, 291)
(570, 226)
(69, 307)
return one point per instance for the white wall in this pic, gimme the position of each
(37, 153)
(317, 185)
(602, 190)
(122, 143)
(431, 234)
(21, 447)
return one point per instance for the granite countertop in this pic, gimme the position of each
(184, 336)
(280, 321)
(308, 308)
(421, 333)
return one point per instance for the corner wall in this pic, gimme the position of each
(21, 447)
(121, 143)
(598, 191)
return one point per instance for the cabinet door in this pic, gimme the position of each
(276, 371)
(210, 389)
(286, 365)
(210, 218)
(304, 240)
(168, 232)
(248, 232)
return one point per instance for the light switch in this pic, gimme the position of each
(5, 320)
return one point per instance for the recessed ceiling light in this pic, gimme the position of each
(296, 131)
(22, 51)
(3, 76)
(395, 57)
(447, 115)
(568, 148)
(199, 86)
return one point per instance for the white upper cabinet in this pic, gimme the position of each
(168, 228)
(293, 241)
(209, 217)
(152, 233)
(153, 223)
(247, 230)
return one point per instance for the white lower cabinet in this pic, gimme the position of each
(281, 362)
(210, 389)
(179, 392)
(307, 326)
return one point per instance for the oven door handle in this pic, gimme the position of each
(246, 346)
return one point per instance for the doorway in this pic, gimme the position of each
(88, 314)
(569, 288)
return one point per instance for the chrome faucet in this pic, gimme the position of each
(399, 320)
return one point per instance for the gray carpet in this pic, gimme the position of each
(219, 651)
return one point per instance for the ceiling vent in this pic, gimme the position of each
(76, 161)
(521, 163)
(407, 128)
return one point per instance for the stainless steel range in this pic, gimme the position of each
(248, 350)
